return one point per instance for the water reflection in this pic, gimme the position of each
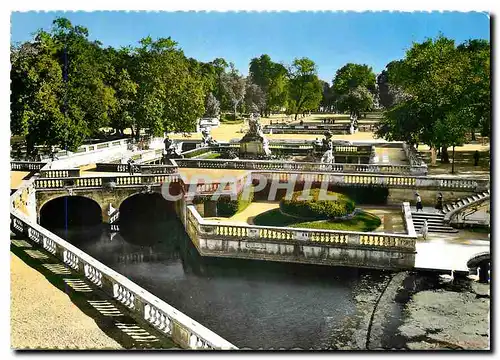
(250, 303)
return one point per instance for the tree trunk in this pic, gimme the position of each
(445, 158)
(453, 160)
(235, 106)
(433, 156)
(473, 135)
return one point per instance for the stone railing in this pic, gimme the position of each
(413, 156)
(407, 219)
(229, 230)
(341, 248)
(144, 169)
(454, 214)
(396, 181)
(57, 173)
(298, 166)
(99, 181)
(183, 330)
(94, 147)
(26, 165)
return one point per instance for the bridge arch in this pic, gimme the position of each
(66, 211)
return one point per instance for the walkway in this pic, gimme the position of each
(55, 308)
(16, 178)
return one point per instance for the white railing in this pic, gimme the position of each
(398, 181)
(408, 220)
(183, 330)
(230, 231)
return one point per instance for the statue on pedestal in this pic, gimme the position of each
(171, 150)
(327, 149)
(207, 139)
(254, 142)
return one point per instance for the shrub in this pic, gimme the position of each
(227, 207)
(317, 208)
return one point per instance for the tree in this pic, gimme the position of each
(435, 78)
(305, 90)
(235, 87)
(212, 107)
(255, 97)
(271, 78)
(169, 97)
(355, 87)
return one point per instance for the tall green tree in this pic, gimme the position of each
(271, 77)
(354, 85)
(435, 77)
(305, 90)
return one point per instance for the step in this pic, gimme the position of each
(421, 221)
(423, 215)
(439, 230)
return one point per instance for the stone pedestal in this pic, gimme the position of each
(252, 148)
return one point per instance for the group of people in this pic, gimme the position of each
(419, 206)
(329, 121)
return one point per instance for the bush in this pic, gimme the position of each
(227, 207)
(317, 208)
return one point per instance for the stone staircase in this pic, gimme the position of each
(435, 222)
(464, 201)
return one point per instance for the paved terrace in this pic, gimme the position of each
(53, 307)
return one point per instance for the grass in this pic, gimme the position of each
(363, 221)
(213, 155)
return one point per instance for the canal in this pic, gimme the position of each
(250, 303)
(253, 304)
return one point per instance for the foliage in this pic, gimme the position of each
(255, 98)
(305, 89)
(453, 97)
(354, 86)
(212, 107)
(271, 77)
(362, 221)
(227, 207)
(317, 208)
(235, 86)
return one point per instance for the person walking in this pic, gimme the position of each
(439, 202)
(476, 158)
(130, 165)
(419, 202)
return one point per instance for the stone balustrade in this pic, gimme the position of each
(59, 173)
(396, 181)
(221, 231)
(87, 182)
(183, 330)
(144, 169)
(299, 166)
(407, 219)
(26, 165)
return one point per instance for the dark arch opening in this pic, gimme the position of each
(144, 218)
(70, 212)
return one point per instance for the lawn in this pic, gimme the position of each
(363, 221)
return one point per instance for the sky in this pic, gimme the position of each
(330, 39)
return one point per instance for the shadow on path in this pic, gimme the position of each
(109, 315)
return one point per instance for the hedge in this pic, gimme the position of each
(316, 208)
(227, 207)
